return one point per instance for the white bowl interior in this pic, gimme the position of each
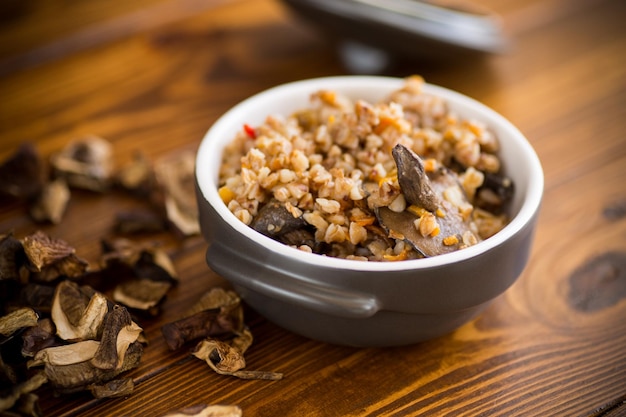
(519, 159)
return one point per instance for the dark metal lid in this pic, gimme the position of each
(406, 28)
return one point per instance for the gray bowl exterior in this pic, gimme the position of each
(355, 307)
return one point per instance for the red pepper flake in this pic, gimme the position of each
(249, 131)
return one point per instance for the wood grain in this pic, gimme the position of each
(153, 75)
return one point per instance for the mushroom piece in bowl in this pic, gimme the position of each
(379, 287)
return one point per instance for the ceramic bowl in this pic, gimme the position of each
(357, 303)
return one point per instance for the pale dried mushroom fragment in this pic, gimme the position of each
(67, 375)
(138, 176)
(52, 202)
(175, 174)
(16, 320)
(22, 174)
(85, 163)
(226, 358)
(66, 354)
(141, 294)
(78, 312)
(202, 410)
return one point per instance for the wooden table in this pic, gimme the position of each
(154, 75)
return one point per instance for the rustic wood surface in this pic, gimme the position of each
(154, 74)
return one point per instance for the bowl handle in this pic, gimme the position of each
(275, 282)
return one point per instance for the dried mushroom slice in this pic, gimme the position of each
(139, 221)
(16, 320)
(69, 368)
(51, 258)
(227, 358)
(212, 322)
(495, 193)
(12, 257)
(112, 389)
(202, 410)
(78, 312)
(437, 219)
(138, 176)
(9, 399)
(66, 354)
(141, 294)
(38, 337)
(226, 300)
(85, 163)
(175, 175)
(274, 220)
(146, 260)
(22, 174)
(118, 333)
(218, 312)
(51, 204)
(150, 273)
(413, 180)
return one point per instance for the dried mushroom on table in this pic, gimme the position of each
(56, 331)
(216, 324)
(164, 188)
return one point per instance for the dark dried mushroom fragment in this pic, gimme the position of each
(51, 258)
(202, 324)
(16, 320)
(22, 174)
(218, 312)
(37, 296)
(26, 406)
(39, 337)
(12, 257)
(437, 221)
(145, 259)
(413, 180)
(274, 220)
(51, 203)
(78, 312)
(175, 175)
(113, 389)
(202, 410)
(495, 193)
(85, 163)
(9, 399)
(139, 221)
(118, 333)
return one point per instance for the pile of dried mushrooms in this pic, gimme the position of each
(73, 326)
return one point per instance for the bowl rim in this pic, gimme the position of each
(206, 177)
